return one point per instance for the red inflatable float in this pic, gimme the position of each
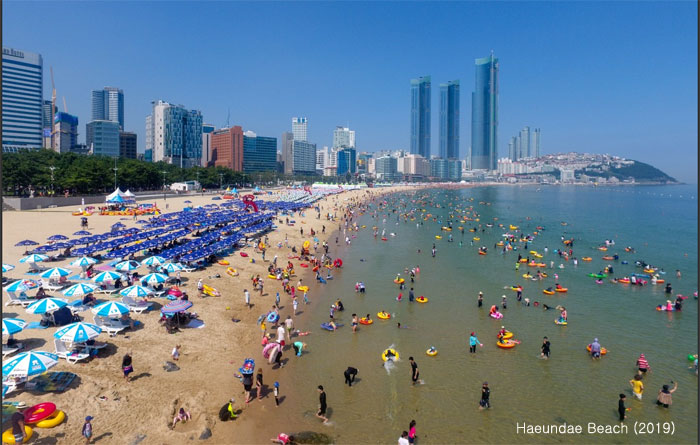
(243, 254)
(39, 412)
(304, 265)
(338, 262)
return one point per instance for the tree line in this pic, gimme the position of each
(48, 172)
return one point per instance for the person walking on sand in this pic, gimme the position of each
(200, 288)
(247, 297)
(176, 353)
(259, 383)
(276, 393)
(289, 325)
(127, 367)
(295, 305)
(86, 432)
(321, 414)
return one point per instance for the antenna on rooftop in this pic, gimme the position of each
(228, 117)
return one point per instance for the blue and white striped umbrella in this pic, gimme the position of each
(172, 267)
(21, 286)
(83, 261)
(33, 258)
(46, 305)
(126, 266)
(79, 289)
(153, 261)
(107, 275)
(7, 267)
(55, 273)
(12, 325)
(77, 332)
(27, 364)
(154, 278)
(110, 309)
(135, 291)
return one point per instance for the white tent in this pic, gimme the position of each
(118, 196)
(129, 194)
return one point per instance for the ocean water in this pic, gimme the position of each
(659, 222)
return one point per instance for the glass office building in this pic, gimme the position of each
(347, 161)
(174, 134)
(259, 153)
(449, 120)
(102, 137)
(22, 100)
(484, 150)
(108, 105)
(304, 158)
(420, 116)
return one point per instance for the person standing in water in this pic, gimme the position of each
(621, 407)
(665, 398)
(485, 402)
(414, 370)
(349, 375)
(473, 341)
(545, 348)
(322, 407)
(480, 299)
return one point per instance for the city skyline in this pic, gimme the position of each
(550, 76)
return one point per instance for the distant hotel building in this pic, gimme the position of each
(287, 141)
(303, 158)
(102, 138)
(300, 128)
(227, 148)
(420, 116)
(536, 143)
(343, 137)
(174, 134)
(347, 161)
(207, 130)
(524, 143)
(108, 105)
(484, 148)
(259, 153)
(22, 100)
(449, 120)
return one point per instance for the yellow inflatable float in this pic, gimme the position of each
(208, 290)
(390, 354)
(383, 315)
(431, 352)
(303, 288)
(8, 437)
(55, 419)
(422, 299)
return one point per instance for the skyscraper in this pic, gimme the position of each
(287, 140)
(525, 143)
(536, 143)
(449, 120)
(108, 105)
(300, 128)
(46, 122)
(207, 130)
(174, 134)
(420, 116)
(512, 153)
(65, 132)
(343, 137)
(485, 115)
(303, 158)
(347, 161)
(259, 153)
(127, 145)
(22, 100)
(102, 137)
(227, 148)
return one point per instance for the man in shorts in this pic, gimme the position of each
(289, 326)
(414, 370)
(18, 423)
(321, 414)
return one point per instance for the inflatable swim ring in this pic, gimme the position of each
(438, 237)
(506, 345)
(507, 335)
(597, 275)
(603, 351)
(608, 258)
(394, 356)
(422, 299)
(223, 262)
(586, 258)
(364, 320)
(547, 292)
(315, 268)
(662, 307)
(231, 271)
(303, 288)
(384, 315)
(39, 412)
(623, 280)
(481, 252)
(328, 327)
(660, 281)
(561, 323)
(527, 275)
(562, 289)
(243, 254)
(431, 352)
(304, 265)
(496, 315)
(271, 276)
(399, 281)
(384, 239)
(55, 419)
(306, 244)
(476, 238)
(273, 317)
(516, 288)
(8, 437)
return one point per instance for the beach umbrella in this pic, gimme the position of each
(55, 273)
(107, 275)
(26, 242)
(79, 289)
(172, 267)
(82, 233)
(46, 305)
(135, 291)
(30, 363)
(12, 325)
(57, 238)
(126, 266)
(84, 261)
(176, 306)
(62, 245)
(110, 309)
(154, 278)
(153, 261)
(7, 267)
(21, 286)
(33, 258)
(118, 224)
(77, 332)
(46, 248)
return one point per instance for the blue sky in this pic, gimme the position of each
(618, 78)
